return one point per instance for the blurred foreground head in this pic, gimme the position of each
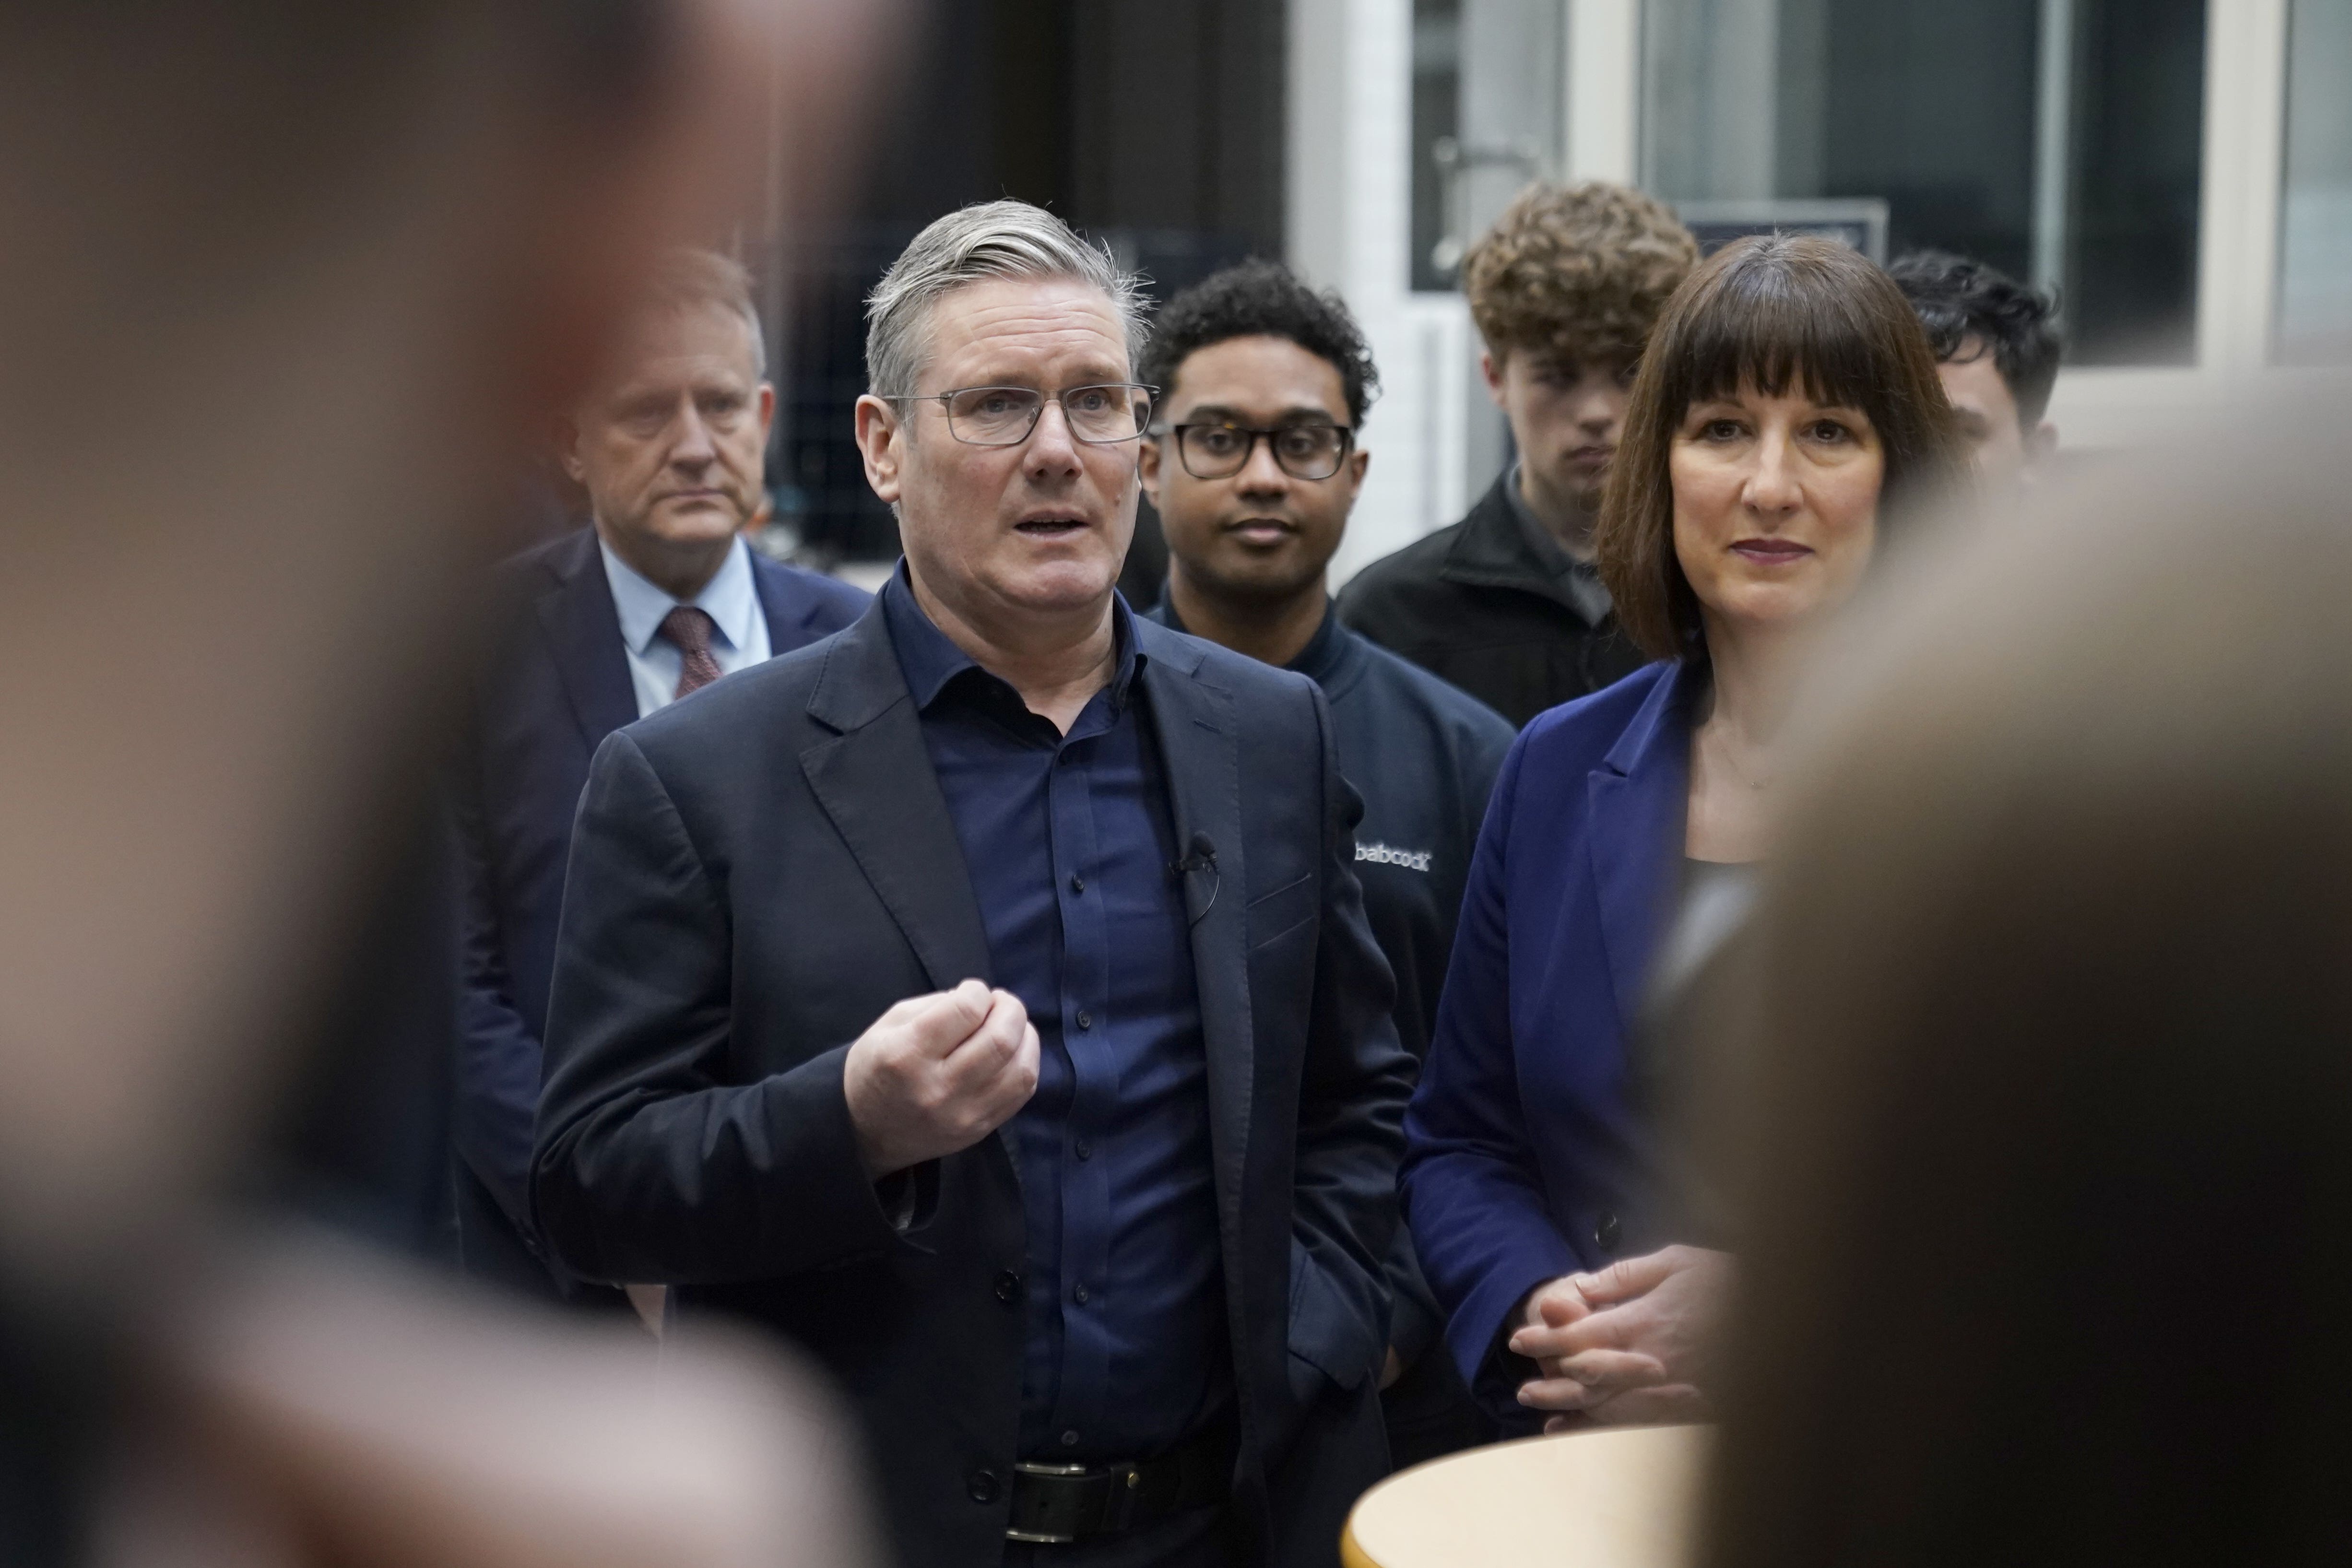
(2048, 1259)
(335, 262)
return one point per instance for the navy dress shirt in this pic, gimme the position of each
(1069, 841)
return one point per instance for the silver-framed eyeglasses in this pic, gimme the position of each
(1101, 415)
(1219, 451)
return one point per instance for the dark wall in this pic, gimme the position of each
(1155, 126)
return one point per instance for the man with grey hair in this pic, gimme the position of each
(658, 597)
(983, 997)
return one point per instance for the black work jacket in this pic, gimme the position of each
(1474, 605)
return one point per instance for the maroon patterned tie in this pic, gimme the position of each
(688, 631)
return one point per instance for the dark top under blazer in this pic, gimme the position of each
(1526, 1158)
(557, 685)
(757, 874)
(1474, 605)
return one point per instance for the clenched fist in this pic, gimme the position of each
(938, 1073)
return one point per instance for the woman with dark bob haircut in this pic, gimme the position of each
(1787, 407)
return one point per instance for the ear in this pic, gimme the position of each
(1147, 468)
(881, 437)
(1493, 372)
(1358, 461)
(767, 405)
(567, 448)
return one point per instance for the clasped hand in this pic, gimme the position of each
(938, 1073)
(1628, 1346)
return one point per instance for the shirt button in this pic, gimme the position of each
(1085, 1022)
(983, 1486)
(1070, 1439)
(1081, 1294)
(1077, 884)
(1008, 1287)
(1085, 1151)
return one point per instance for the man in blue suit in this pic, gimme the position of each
(658, 598)
(983, 997)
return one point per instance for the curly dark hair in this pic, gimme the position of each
(1957, 299)
(1261, 299)
(1577, 272)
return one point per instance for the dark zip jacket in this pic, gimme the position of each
(1476, 605)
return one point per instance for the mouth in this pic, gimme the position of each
(1261, 533)
(690, 495)
(1591, 457)
(1051, 526)
(1769, 552)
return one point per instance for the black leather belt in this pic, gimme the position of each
(1057, 1504)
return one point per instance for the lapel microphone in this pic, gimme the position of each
(1203, 858)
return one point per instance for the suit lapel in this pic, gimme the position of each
(584, 633)
(1637, 800)
(876, 781)
(787, 623)
(1200, 751)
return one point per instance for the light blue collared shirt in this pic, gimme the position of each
(730, 599)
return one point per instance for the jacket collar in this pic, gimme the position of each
(584, 631)
(1490, 549)
(1638, 804)
(1333, 658)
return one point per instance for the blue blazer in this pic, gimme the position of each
(557, 686)
(1525, 1158)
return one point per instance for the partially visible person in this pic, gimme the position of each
(1996, 348)
(1507, 603)
(1252, 466)
(982, 997)
(655, 599)
(347, 255)
(1786, 417)
(2052, 1006)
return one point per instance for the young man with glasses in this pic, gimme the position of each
(1253, 465)
(983, 998)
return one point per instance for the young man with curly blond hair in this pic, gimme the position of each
(1505, 603)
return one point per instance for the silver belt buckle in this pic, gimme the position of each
(1060, 1471)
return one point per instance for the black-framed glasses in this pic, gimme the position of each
(1219, 451)
(1003, 416)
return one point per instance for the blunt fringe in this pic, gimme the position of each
(1772, 312)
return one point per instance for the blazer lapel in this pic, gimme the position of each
(876, 781)
(1200, 751)
(1637, 802)
(787, 622)
(583, 633)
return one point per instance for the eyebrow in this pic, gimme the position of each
(1090, 376)
(1297, 413)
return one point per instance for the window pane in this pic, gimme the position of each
(2315, 324)
(1436, 117)
(1937, 108)
(2138, 131)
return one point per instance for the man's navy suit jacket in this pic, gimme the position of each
(760, 874)
(559, 685)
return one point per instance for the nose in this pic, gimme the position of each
(1261, 474)
(694, 447)
(1773, 489)
(1051, 449)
